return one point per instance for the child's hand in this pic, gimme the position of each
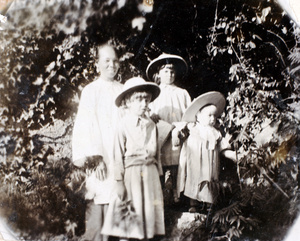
(179, 133)
(92, 162)
(121, 190)
(155, 118)
(175, 138)
(101, 171)
(95, 164)
(175, 141)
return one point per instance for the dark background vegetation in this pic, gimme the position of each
(248, 50)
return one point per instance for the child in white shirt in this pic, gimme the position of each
(169, 106)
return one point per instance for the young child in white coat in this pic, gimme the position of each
(169, 107)
(199, 157)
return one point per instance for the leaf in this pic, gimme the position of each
(233, 219)
(265, 12)
(252, 45)
(238, 222)
(215, 52)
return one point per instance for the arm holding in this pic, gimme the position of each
(230, 155)
(179, 133)
(119, 169)
(85, 139)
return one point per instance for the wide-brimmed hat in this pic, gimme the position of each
(210, 98)
(137, 84)
(179, 63)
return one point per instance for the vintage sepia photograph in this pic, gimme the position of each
(149, 120)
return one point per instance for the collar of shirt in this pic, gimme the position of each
(164, 86)
(138, 120)
(105, 82)
(208, 134)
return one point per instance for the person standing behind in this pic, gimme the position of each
(169, 106)
(93, 136)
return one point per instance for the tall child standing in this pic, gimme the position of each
(199, 158)
(137, 166)
(169, 106)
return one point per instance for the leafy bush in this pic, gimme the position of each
(245, 49)
(44, 66)
(261, 118)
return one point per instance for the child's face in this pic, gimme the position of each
(108, 63)
(207, 115)
(138, 102)
(167, 74)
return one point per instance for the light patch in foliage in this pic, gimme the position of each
(266, 134)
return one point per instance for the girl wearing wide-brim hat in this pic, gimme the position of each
(169, 106)
(137, 209)
(199, 158)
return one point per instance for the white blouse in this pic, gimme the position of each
(171, 103)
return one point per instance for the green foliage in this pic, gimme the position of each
(258, 47)
(44, 66)
(246, 49)
(262, 123)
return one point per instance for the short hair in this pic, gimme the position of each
(155, 77)
(97, 54)
(209, 104)
(103, 46)
(128, 96)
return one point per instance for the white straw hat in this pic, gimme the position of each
(214, 98)
(137, 83)
(179, 63)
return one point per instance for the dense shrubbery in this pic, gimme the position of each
(264, 122)
(245, 49)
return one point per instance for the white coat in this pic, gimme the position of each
(93, 133)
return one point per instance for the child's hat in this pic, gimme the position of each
(210, 98)
(179, 63)
(137, 84)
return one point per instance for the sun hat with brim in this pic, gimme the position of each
(137, 84)
(210, 98)
(179, 63)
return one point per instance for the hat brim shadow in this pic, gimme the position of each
(214, 98)
(149, 87)
(180, 66)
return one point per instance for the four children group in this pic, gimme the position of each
(116, 140)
